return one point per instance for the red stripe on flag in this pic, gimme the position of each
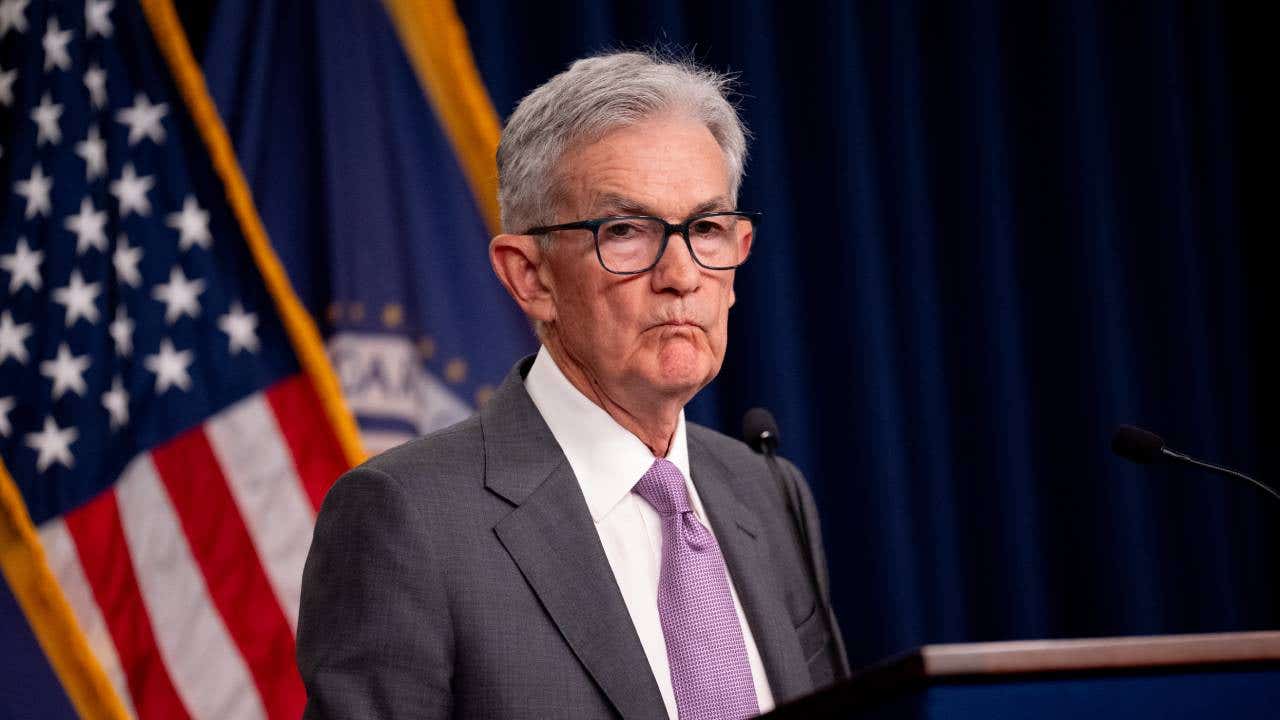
(312, 443)
(222, 546)
(104, 555)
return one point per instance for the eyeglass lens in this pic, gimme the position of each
(633, 244)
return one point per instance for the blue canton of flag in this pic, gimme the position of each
(123, 320)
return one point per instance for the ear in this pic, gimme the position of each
(521, 266)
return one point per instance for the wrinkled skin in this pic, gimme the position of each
(639, 346)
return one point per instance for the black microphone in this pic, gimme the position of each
(1145, 447)
(760, 431)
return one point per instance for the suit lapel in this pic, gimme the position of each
(551, 538)
(742, 542)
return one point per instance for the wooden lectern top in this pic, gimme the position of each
(1019, 662)
(1041, 656)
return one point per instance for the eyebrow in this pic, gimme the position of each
(622, 205)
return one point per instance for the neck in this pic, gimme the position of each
(652, 420)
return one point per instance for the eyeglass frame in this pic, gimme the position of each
(668, 229)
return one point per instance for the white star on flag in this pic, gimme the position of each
(36, 190)
(240, 328)
(66, 371)
(121, 330)
(88, 226)
(192, 224)
(126, 261)
(13, 14)
(143, 119)
(23, 265)
(180, 296)
(95, 79)
(97, 17)
(131, 192)
(45, 116)
(94, 153)
(55, 46)
(13, 339)
(79, 297)
(170, 367)
(116, 401)
(53, 444)
(6, 404)
(7, 77)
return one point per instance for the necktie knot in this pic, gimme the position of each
(662, 486)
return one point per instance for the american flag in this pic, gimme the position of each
(155, 416)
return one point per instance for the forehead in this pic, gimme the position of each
(666, 166)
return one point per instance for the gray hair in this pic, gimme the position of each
(595, 95)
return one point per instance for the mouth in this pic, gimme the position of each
(678, 324)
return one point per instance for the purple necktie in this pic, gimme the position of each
(709, 668)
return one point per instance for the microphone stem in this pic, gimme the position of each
(1179, 457)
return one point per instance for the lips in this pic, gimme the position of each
(679, 323)
(679, 328)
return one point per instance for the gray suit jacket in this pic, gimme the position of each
(460, 574)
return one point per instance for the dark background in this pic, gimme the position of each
(993, 232)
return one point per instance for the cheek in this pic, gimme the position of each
(600, 317)
(725, 300)
(718, 332)
(623, 305)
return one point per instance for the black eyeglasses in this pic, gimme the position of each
(633, 244)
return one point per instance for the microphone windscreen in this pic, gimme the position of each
(759, 428)
(1136, 444)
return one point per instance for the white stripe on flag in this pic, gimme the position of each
(264, 481)
(64, 561)
(207, 669)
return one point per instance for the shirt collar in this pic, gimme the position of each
(606, 458)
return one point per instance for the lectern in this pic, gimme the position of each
(1226, 675)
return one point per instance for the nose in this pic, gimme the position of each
(676, 269)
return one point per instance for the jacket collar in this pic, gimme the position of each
(551, 537)
(746, 553)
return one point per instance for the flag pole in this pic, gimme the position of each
(298, 323)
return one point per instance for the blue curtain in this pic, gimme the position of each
(993, 232)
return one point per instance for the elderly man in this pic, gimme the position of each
(576, 549)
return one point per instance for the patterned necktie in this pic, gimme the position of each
(709, 668)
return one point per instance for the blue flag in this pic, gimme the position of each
(371, 160)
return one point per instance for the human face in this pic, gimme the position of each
(659, 335)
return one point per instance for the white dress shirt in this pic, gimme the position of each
(608, 461)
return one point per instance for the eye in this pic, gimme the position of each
(707, 226)
(621, 230)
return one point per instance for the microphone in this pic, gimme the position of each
(760, 431)
(1145, 447)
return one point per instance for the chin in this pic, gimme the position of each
(684, 366)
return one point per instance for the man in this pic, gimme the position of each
(576, 549)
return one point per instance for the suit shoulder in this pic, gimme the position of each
(730, 451)
(457, 450)
(736, 454)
